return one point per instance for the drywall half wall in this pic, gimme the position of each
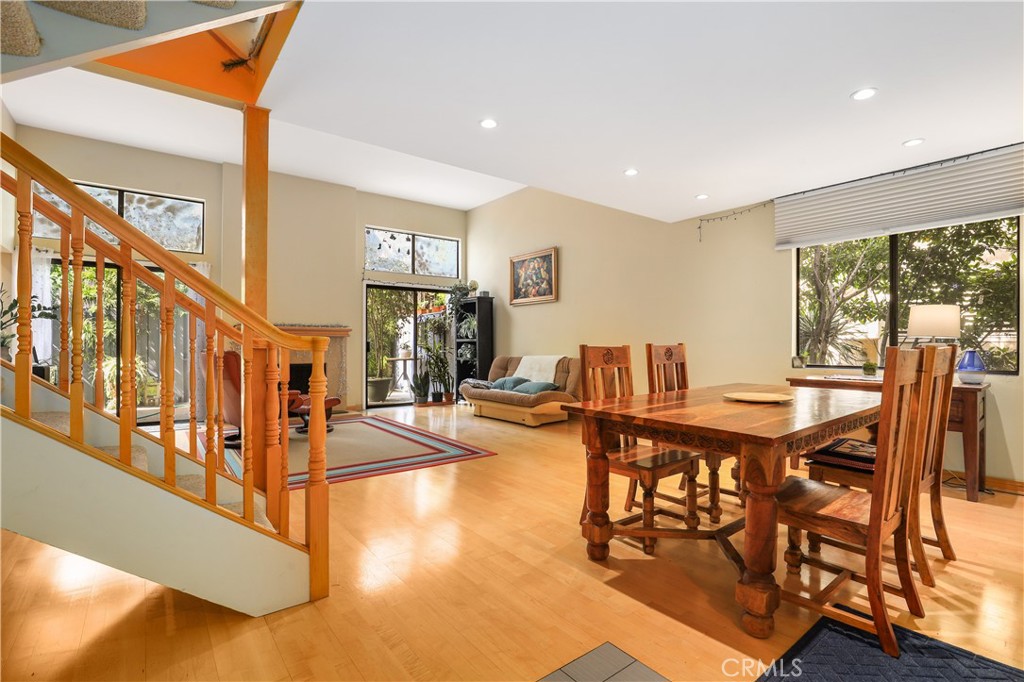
(724, 291)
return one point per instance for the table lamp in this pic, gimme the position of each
(934, 322)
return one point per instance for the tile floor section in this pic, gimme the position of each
(606, 663)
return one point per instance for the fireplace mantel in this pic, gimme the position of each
(330, 330)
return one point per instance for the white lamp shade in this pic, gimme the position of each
(940, 321)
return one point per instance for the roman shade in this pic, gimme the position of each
(981, 186)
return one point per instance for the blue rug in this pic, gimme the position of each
(834, 651)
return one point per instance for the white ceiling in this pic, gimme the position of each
(741, 101)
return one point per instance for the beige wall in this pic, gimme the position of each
(316, 253)
(625, 279)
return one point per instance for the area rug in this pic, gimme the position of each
(831, 650)
(362, 446)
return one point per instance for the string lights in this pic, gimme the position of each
(728, 216)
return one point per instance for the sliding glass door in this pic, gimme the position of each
(402, 325)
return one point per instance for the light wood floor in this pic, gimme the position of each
(473, 571)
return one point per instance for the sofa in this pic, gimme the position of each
(533, 409)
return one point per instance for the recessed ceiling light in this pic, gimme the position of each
(630, 172)
(913, 143)
(488, 123)
(864, 93)
(701, 196)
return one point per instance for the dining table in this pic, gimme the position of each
(784, 422)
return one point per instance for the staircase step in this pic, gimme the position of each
(58, 421)
(140, 460)
(61, 421)
(196, 484)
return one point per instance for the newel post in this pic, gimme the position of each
(316, 487)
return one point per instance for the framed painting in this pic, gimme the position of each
(533, 277)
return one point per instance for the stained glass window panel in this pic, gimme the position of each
(388, 251)
(436, 256)
(176, 224)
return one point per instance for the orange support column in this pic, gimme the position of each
(255, 183)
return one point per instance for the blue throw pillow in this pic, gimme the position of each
(534, 387)
(508, 383)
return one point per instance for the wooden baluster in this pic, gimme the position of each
(193, 427)
(23, 360)
(272, 411)
(247, 422)
(282, 512)
(64, 357)
(128, 399)
(77, 326)
(221, 464)
(211, 404)
(167, 377)
(99, 388)
(316, 486)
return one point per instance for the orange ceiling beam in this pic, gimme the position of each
(192, 65)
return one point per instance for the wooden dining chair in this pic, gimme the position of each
(667, 371)
(869, 519)
(606, 372)
(854, 466)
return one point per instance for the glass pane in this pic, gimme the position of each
(175, 224)
(974, 266)
(843, 301)
(389, 329)
(388, 251)
(436, 256)
(44, 227)
(107, 197)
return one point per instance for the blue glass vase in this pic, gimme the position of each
(971, 368)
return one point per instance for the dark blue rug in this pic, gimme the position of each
(835, 651)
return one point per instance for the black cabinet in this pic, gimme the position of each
(474, 338)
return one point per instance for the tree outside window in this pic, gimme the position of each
(846, 291)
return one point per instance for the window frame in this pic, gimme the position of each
(892, 322)
(412, 251)
(120, 210)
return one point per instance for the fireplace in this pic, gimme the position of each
(299, 374)
(334, 360)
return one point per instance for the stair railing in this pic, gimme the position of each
(225, 320)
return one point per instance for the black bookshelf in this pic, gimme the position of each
(480, 345)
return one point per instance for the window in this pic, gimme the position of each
(176, 224)
(857, 294)
(410, 253)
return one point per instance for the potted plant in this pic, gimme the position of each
(466, 328)
(439, 369)
(869, 368)
(420, 386)
(386, 311)
(467, 354)
(9, 319)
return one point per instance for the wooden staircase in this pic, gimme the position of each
(146, 478)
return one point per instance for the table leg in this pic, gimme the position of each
(757, 591)
(973, 453)
(597, 527)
